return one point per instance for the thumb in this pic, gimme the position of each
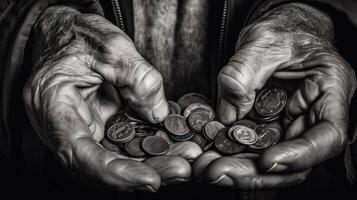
(140, 84)
(259, 53)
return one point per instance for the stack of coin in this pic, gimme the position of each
(192, 118)
(129, 134)
(126, 133)
(188, 118)
(268, 105)
(261, 129)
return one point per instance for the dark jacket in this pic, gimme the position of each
(19, 144)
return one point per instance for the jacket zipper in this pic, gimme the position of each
(118, 15)
(120, 23)
(222, 32)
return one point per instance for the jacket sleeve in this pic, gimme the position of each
(16, 20)
(348, 7)
(344, 17)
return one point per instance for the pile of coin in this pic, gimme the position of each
(260, 129)
(192, 118)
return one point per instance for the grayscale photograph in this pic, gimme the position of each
(178, 99)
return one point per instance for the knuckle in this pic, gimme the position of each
(112, 47)
(145, 83)
(264, 35)
(256, 30)
(236, 83)
(118, 41)
(90, 18)
(151, 80)
(231, 77)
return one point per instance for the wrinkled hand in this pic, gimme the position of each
(321, 85)
(84, 68)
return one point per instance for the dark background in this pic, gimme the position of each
(20, 179)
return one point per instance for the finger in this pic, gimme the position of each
(77, 150)
(139, 83)
(248, 70)
(301, 100)
(322, 141)
(243, 174)
(227, 113)
(235, 100)
(252, 156)
(172, 169)
(187, 150)
(328, 114)
(97, 111)
(201, 163)
(296, 128)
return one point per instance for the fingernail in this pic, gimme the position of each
(160, 111)
(146, 188)
(226, 113)
(223, 180)
(277, 168)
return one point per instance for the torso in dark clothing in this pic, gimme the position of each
(172, 35)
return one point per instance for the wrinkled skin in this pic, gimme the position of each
(85, 69)
(291, 45)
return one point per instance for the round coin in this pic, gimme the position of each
(270, 119)
(262, 119)
(176, 124)
(225, 145)
(211, 129)
(247, 123)
(191, 98)
(174, 107)
(208, 146)
(132, 116)
(230, 132)
(198, 120)
(244, 135)
(264, 139)
(155, 145)
(253, 115)
(116, 118)
(110, 146)
(277, 132)
(140, 132)
(200, 140)
(133, 148)
(172, 110)
(120, 132)
(182, 138)
(270, 101)
(163, 134)
(198, 107)
(144, 130)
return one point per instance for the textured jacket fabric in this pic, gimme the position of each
(17, 138)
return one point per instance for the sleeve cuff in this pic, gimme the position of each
(349, 7)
